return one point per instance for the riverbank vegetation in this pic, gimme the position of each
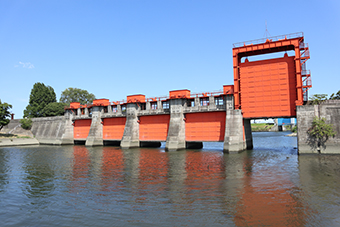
(4, 114)
(320, 132)
(261, 127)
(12, 136)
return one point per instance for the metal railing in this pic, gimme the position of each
(271, 39)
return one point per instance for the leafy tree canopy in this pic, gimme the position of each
(54, 109)
(317, 99)
(76, 95)
(40, 97)
(4, 113)
(335, 96)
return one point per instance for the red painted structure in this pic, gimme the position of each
(268, 87)
(81, 129)
(262, 89)
(154, 127)
(113, 128)
(269, 78)
(209, 126)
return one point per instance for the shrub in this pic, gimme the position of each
(320, 132)
(294, 129)
(26, 123)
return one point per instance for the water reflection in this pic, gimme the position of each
(80, 168)
(320, 183)
(244, 191)
(98, 186)
(112, 170)
(38, 180)
(4, 168)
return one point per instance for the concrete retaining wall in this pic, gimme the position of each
(18, 142)
(330, 110)
(53, 130)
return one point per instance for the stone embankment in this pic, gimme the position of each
(13, 135)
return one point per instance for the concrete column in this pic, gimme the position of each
(119, 109)
(131, 131)
(148, 106)
(95, 137)
(159, 105)
(78, 112)
(67, 137)
(229, 102)
(86, 111)
(109, 109)
(248, 134)
(176, 134)
(233, 139)
(212, 102)
(197, 101)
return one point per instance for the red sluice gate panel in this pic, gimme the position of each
(205, 126)
(268, 88)
(154, 128)
(113, 128)
(81, 128)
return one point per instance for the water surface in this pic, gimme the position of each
(107, 186)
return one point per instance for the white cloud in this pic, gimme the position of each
(26, 65)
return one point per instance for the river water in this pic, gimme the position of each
(107, 186)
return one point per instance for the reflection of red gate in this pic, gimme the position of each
(205, 126)
(113, 128)
(154, 128)
(81, 128)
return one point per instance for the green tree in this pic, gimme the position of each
(317, 99)
(4, 114)
(40, 97)
(26, 123)
(54, 109)
(335, 96)
(76, 95)
(319, 132)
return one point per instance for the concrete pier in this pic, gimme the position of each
(176, 135)
(95, 137)
(131, 131)
(233, 140)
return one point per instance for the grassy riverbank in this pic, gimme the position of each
(261, 127)
(11, 136)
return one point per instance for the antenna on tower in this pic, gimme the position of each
(266, 33)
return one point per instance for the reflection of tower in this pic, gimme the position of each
(265, 199)
(177, 176)
(234, 181)
(95, 164)
(131, 157)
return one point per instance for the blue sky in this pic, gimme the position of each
(118, 48)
